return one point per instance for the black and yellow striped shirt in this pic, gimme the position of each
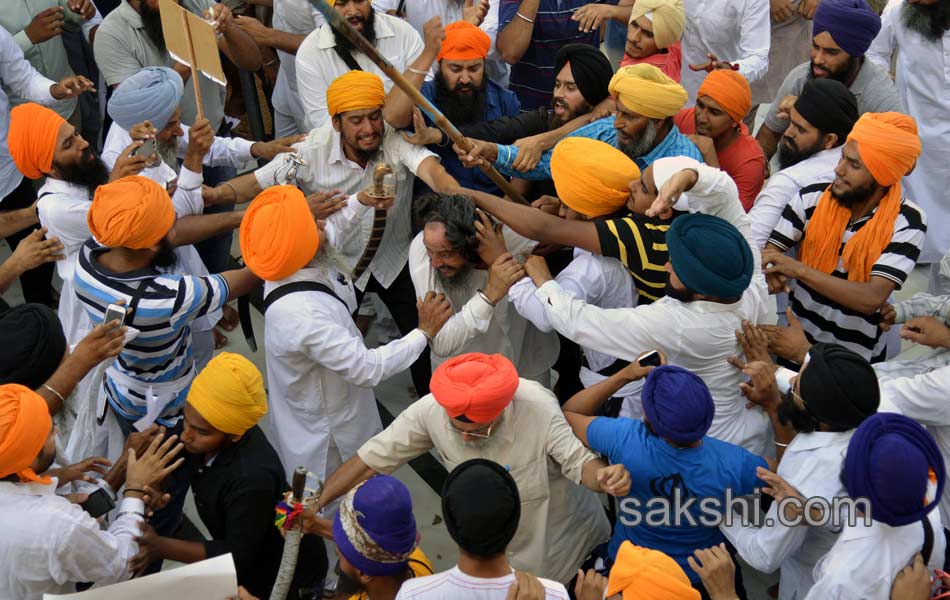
(639, 242)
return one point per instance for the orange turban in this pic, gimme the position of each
(132, 212)
(32, 138)
(278, 233)
(355, 90)
(25, 426)
(592, 177)
(464, 41)
(476, 386)
(731, 92)
(643, 573)
(888, 145)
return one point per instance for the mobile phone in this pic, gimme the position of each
(651, 359)
(98, 503)
(148, 148)
(115, 312)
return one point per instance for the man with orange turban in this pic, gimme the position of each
(857, 240)
(715, 125)
(50, 544)
(480, 408)
(463, 92)
(237, 479)
(640, 572)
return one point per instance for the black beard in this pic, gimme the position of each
(90, 172)
(856, 195)
(582, 110)
(789, 154)
(844, 75)
(344, 44)
(165, 258)
(929, 21)
(683, 295)
(789, 414)
(461, 108)
(152, 19)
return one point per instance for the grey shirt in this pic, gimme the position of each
(122, 47)
(873, 88)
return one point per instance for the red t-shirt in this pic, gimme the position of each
(670, 61)
(743, 159)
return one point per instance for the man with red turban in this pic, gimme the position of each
(480, 408)
(463, 92)
(858, 240)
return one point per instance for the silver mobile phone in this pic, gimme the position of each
(115, 312)
(148, 148)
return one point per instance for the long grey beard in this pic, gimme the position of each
(328, 261)
(642, 146)
(929, 21)
(169, 154)
(456, 284)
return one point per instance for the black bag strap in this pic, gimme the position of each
(347, 57)
(298, 286)
(928, 547)
(134, 303)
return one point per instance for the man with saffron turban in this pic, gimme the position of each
(237, 479)
(480, 408)
(653, 36)
(857, 240)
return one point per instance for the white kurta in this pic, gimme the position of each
(923, 82)
(699, 336)
(320, 374)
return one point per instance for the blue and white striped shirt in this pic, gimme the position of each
(161, 353)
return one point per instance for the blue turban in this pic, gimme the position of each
(709, 255)
(677, 404)
(852, 24)
(888, 462)
(374, 527)
(152, 94)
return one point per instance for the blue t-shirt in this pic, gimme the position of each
(658, 470)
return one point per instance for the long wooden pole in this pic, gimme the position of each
(193, 63)
(343, 26)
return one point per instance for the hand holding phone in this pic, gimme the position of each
(115, 312)
(650, 359)
(98, 503)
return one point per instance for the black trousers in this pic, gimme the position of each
(36, 283)
(400, 299)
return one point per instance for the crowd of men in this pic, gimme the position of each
(646, 297)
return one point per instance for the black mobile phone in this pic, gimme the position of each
(98, 503)
(652, 359)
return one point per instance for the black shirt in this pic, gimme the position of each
(236, 496)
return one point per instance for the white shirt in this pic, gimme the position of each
(812, 465)
(477, 326)
(49, 544)
(924, 399)
(699, 336)
(864, 561)
(321, 375)
(923, 82)
(736, 31)
(318, 64)
(327, 168)
(818, 169)
(456, 585)
(598, 280)
(301, 18)
(19, 76)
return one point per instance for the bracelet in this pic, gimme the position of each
(55, 393)
(485, 298)
(130, 513)
(781, 445)
(525, 18)
(127, 490)
(423, 331)
(272, 62)
(231, 187)
(417, 71)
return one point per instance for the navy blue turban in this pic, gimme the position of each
(677, 404)
(852, 24)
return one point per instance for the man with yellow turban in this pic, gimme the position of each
(463, 92)
(653, 36)
(715, 124)
(237, 479)
(480, 408)
(857, 240)
(350, 154)
(50, 544)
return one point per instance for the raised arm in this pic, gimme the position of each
(397, 111)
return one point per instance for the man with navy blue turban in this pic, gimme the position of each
(714, 282)
(842, 33)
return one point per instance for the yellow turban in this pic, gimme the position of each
(668, 18)
(356, 90)
(278, 233)
(229, 394)
(645, 90)
(592, 177)
(888, 144)
(132, 212)
(643, 573)
(25, 426)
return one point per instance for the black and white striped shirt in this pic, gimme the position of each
(825, 320)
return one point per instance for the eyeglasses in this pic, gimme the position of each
(482, 432)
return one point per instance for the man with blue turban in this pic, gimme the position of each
(842, 33)
(714, 283)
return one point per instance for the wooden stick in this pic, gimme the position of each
(193, 64)
(343, 26)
